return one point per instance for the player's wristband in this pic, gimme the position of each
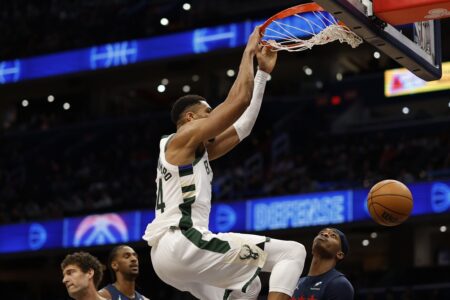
(245, 123)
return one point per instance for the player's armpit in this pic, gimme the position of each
(223, 143)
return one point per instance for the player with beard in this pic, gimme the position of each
(324, 282)
(123, 263)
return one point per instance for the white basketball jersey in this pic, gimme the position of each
(183, 195)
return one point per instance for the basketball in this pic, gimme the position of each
(389, 202)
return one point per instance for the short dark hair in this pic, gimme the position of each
(85, 262)
(182, 103)
(111, 257)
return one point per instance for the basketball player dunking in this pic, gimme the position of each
(185, 254)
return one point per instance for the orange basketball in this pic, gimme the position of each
(389, 202)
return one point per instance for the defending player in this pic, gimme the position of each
(82, 273)
(324, 282)
(123, 263)
(185, 254)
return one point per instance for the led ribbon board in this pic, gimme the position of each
(125, 53)
(264, 214)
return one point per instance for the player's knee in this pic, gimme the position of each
(296, 251)
(251, 292)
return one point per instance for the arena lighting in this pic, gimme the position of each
(374, 235)
(365, 243)
(376, 55)
(66, 106)
(336, 100)
(25, 103)
(449, 104)
(443, 229)
(187, 6)
(195, 78)
(405, 110)
(50, 98)
(165, 81)
(161, 88)
(319, 84)
(339, 76)
(308, 71)
(186, 88)
(230, 73)
(164, 21)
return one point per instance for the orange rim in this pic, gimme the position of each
(298, 9)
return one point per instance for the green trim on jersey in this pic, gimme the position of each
(185, 172)
(227, 294)
(214, 245)
(185, 207)
(192, 234)
(188, 188)
(189, 199)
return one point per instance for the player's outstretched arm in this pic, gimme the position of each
(244, 125)
(223, 116)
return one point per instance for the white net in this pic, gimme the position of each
(298, 32)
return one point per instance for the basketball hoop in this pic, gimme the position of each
(303, 26)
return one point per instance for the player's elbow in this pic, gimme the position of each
(244, 96)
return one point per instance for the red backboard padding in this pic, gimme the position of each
(396, 12)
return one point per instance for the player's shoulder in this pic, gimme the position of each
(340, 282)
(339, 288)
(105, 293)
(139, 296)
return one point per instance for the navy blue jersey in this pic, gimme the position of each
(117, 295)
(332, 285)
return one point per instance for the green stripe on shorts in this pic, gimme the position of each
(244, 288)
(214, 245)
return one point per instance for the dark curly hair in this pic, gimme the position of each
(85, 262)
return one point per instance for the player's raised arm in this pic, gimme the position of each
(234, 134)
(203, 127)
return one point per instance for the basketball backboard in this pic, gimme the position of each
(417, 46)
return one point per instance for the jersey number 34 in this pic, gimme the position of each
(159, 198)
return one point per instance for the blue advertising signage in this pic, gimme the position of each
(264, 214)
(125, 53)
(300, 211)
